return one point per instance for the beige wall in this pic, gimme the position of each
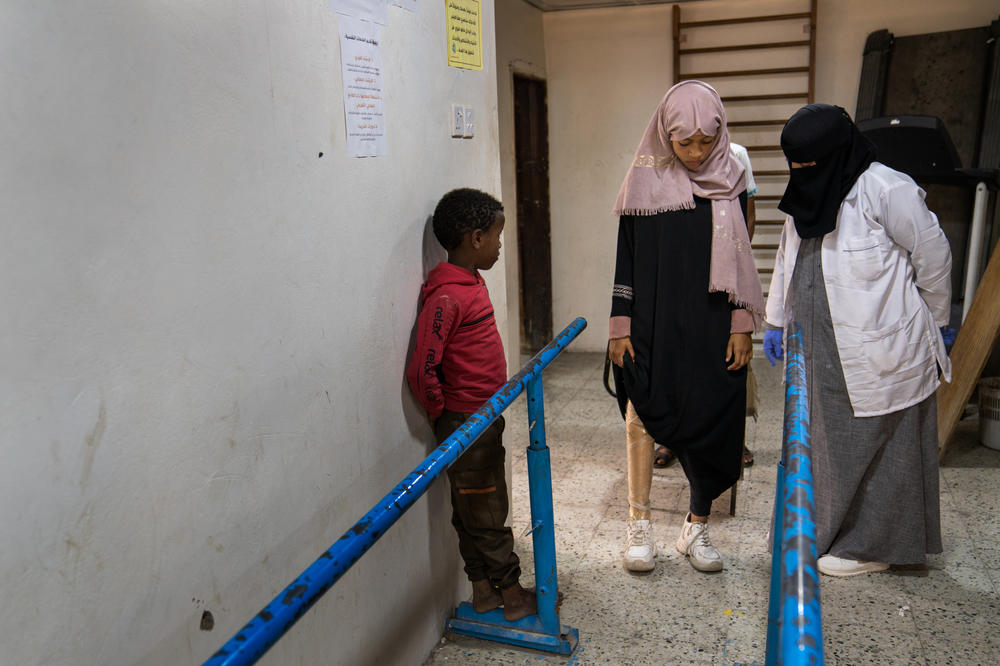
(608, 68)
(520, 50)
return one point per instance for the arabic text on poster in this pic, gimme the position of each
(465, 47)
(364, 111)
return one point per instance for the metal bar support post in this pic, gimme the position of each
(540, 483)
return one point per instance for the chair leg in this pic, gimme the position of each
(732, 491)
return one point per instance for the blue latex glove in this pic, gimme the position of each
(773, 348)
(948, 335)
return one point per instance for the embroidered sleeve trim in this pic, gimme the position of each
(622, 291)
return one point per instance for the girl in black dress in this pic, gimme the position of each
(686, 299)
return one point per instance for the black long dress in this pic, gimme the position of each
(678, 383)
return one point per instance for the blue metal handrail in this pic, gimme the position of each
(795, 627)
(258, 635)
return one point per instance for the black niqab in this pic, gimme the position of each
(826, 135)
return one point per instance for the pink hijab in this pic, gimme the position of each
(658, 182)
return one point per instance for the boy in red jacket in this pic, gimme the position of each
(457, 365)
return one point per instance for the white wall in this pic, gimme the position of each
(206, 326)
(520, 50)
(608, 68)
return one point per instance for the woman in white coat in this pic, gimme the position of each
(864, 268)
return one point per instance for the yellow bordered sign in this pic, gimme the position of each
(465, 33)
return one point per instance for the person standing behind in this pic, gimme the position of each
(743, 157)
(686, 297)
(753, 400)
(457, 365)
(864, 268)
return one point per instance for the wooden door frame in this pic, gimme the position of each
(535, 325)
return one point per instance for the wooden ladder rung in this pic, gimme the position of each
(745, 47)
(754, 98)
(763, 149)
(745, 72)
(745, 19)
(771, 172)
(769, 223)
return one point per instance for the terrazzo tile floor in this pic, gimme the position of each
(946, 613)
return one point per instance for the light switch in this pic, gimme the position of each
(457, 120)
(470, 125)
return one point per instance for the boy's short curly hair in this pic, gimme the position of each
(462, 211)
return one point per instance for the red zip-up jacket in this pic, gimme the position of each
(458, 362)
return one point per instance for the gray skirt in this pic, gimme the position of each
(876, 477)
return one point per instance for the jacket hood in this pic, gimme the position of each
(449, 274)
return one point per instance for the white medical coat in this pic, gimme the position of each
(887, 269)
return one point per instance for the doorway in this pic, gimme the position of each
(534, 255)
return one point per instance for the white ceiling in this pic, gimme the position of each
(564, 5)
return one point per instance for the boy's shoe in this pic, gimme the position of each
(694, 543)
(640, 549)
(485, 597)
(831, 565)
(518, 602)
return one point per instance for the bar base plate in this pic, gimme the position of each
(526, 632)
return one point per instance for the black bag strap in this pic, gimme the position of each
(607, 372)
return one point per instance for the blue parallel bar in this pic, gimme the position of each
(270, 624)
(799, 625)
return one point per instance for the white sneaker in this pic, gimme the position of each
(832, 565)
(694, 543)
(640, 549)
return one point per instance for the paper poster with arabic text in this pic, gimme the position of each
(465, 31)
(364, 108)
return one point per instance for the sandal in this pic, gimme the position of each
(747, 457)
(662, 456)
